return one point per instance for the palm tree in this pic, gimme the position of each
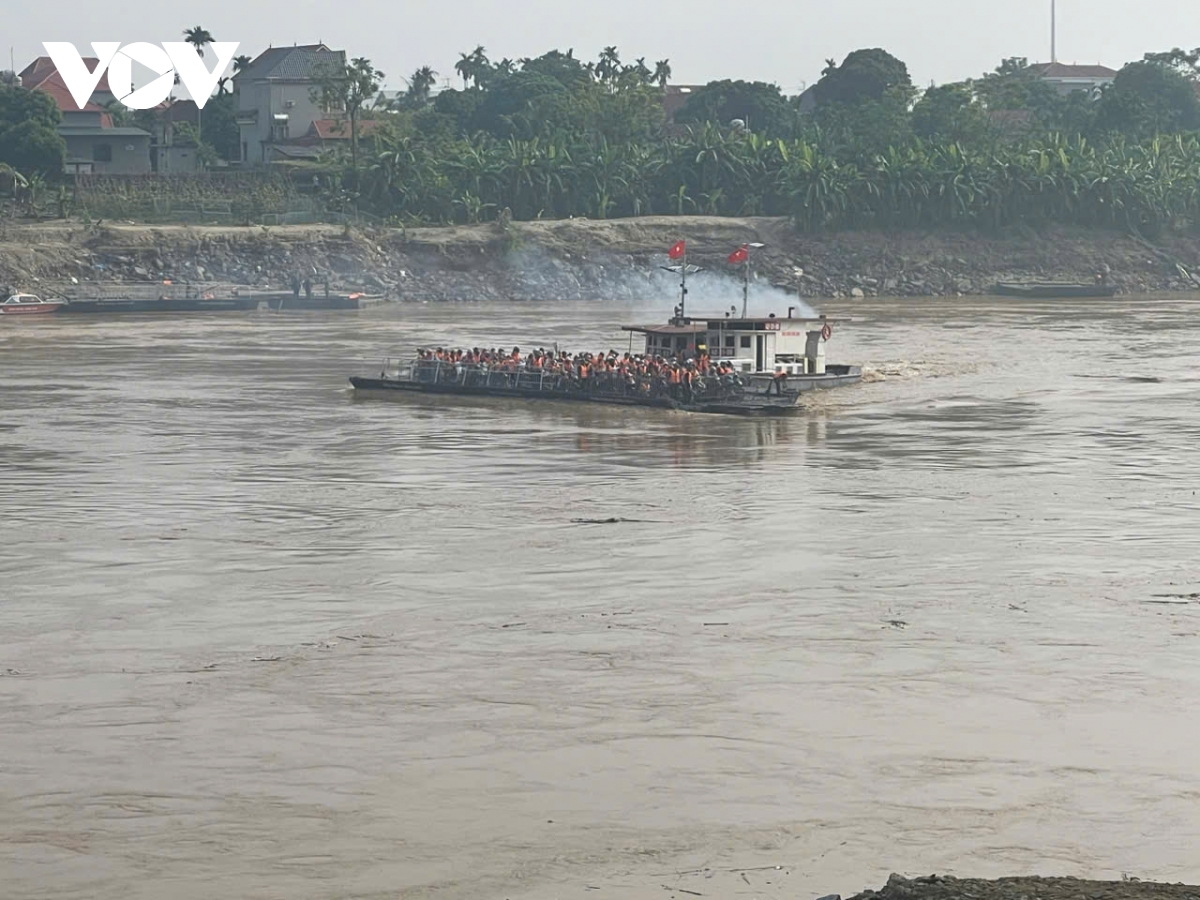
(241, 62)
(662, 72)
(481, 64)
(609, 64)
(198, 37)
(473, 67)
(464, 67)
(420, 84)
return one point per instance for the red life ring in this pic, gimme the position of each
(826, 331)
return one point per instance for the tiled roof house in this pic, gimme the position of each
(275, 105)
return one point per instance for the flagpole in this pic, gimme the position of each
(746, 286)
(683, 287)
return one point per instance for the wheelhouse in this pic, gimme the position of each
(758, 345)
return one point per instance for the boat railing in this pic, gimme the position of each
(524, 378)
(135, 290)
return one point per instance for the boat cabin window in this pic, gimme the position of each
(746, 343)
(681, 343)
(730, 341)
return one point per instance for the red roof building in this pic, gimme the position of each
(339, 129)
(42, 74)
(675, 96)
(94, 145)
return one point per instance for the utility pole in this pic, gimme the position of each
(1053, 31)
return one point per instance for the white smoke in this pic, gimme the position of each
(645, 286)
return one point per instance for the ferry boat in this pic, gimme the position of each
(29, 304)
(709, 364)
(744, 365)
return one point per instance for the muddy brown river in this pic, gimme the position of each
(261, 640)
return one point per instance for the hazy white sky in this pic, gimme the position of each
(784, 41)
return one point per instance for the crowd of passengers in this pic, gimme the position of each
(628, 374)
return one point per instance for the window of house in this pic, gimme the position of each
(681, 343)
(746, 343)
(102, 152)
(730, 340)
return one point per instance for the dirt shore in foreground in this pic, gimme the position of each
(937, 887)
(583, 259)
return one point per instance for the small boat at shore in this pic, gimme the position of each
(1052, 289)
(29, 305)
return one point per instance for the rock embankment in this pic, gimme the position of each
(581, 259)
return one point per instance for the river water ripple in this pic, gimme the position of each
(261, 639)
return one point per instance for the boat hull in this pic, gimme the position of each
(30, 309)
(288, 302)
(170, 304)
(751, 403)
(1050, 290)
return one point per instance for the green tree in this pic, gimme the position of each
(634, 113)
(347, 87)
(521, 105)
(761, 106)
(221, 130)
(31, 147)
(562, 67)
(863, 75)
(1147, 99)
(20, 105)
(1185, 62)
(950, 112)
(28, 139)
(456, 106)
(861, 130)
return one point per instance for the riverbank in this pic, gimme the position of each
(945, 888)
(584, 259)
